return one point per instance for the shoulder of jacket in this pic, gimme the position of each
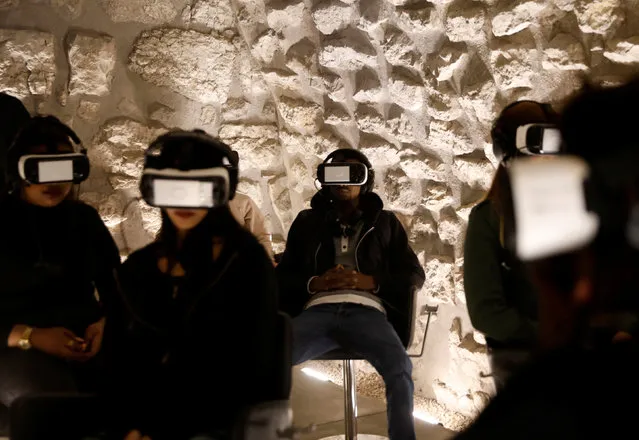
(306, 215)
(387, 214)
(240, 199)
(483, 208)
(142, 256)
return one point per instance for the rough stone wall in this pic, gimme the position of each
(414, 84)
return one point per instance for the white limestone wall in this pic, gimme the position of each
(414, 84)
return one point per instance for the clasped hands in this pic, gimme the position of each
(340, 278)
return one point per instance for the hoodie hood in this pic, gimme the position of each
(370, 204)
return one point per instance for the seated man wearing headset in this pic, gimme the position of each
(347, 262)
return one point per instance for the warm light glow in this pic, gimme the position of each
(316, 374)
(425, 417)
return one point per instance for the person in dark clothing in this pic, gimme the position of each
(585, 270)
(346, 266)
(55, 254)
(14, 116)
(190, 343)
(501, 300)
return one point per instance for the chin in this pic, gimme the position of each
(50, 203)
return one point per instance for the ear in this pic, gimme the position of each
(583, 291)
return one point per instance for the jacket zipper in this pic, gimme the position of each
(357, 247)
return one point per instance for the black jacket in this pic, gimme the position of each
(502, 301)
(383, 252)
(193, 361)
(51, 262)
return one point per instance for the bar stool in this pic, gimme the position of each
(404, 324)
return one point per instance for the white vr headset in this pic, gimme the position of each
(549, 206)
(194, 189)
(53, 168)
(536, 139)
(342, 173)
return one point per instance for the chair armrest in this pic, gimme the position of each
(430, 311)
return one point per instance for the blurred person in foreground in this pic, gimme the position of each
(577, 228)
(502, 301)
(188, 342)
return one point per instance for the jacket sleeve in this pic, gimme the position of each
(405, 272)
(14, 279)
(483, 283)
(292, 273)
(107, 259)
(254, 222)
(16, 276)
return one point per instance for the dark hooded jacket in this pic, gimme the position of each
(383, 251)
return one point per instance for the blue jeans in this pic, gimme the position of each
(365, 332)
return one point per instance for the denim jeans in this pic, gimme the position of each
(367, 333)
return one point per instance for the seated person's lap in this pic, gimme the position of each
(361, 330)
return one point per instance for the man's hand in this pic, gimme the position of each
(59, 342)
(339, 278)
(136, 435)
(93, 337)
(622, 336)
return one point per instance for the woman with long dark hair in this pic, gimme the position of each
(502, 302)
(189, 344)
(55, 255)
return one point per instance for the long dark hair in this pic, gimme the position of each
(195, 254)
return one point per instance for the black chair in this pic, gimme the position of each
(403, 321)
(77, 417)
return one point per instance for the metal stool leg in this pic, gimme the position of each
(350, 400)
